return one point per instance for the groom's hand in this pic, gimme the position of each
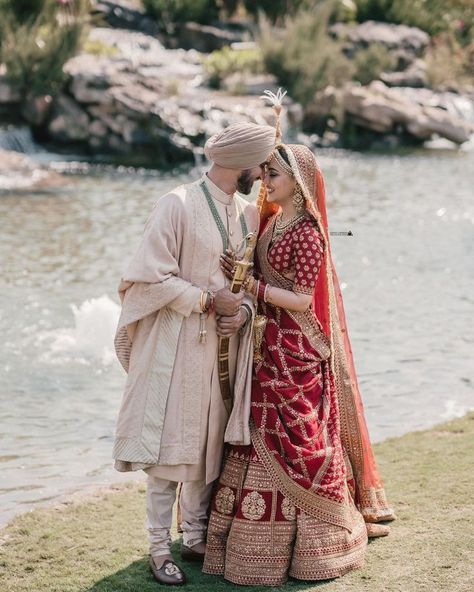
(226, 303)
(228, 326)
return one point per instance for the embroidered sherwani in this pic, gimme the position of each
(173, 422)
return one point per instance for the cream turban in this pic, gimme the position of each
(241, 145)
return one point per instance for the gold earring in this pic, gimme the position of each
(298, 200)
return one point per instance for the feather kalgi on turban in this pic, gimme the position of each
(241, 146)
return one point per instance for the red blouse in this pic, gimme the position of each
(298, 254)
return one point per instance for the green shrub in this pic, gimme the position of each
(371, 62)
(22, 10)
(35, 49)
(433, 16)
(449, 63)
(302, 56)
(226, 61)
(179, 11)
(275, 9)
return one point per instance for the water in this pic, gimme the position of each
(407, 274)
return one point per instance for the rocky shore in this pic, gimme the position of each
(20, 173)
(136, 97)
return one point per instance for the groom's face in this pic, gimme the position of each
(247, 178)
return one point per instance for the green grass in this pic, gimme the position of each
(99, 544)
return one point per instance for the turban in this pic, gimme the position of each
(241, 145)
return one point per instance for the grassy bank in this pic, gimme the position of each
(99, 544)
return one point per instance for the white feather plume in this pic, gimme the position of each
(276, 100)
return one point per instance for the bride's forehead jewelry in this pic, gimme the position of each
(282, 162)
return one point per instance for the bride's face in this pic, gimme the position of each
(280, 186)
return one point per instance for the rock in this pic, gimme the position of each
(325, 105)
(36, 110)
(125, 15)
(206, 38)
(385, 110)
(69, 123)
(412, 40)
(437, 121)
(146, 100)
(98, 129)
(414, 76)
(20, 173)
(8, 92)
(250, 84)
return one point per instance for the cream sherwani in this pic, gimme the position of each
(172, 414)
(172, 422)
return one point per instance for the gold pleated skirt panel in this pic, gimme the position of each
(256, 536)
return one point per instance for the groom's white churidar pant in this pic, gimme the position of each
(194, 501)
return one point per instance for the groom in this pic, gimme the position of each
(175, 304)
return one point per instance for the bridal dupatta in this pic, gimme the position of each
(326, 329)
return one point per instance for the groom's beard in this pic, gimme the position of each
(245, 182)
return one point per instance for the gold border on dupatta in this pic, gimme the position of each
(309, 501)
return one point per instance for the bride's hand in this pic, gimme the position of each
(227, 261)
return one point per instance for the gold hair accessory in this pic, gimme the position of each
(276, 101)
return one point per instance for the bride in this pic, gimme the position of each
(302, 498)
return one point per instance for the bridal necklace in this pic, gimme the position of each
(280, 227)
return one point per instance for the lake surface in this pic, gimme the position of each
(407, 275)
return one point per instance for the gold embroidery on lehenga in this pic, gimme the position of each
(253, 506)
(301, 546)
(288, 509)
(225, 499)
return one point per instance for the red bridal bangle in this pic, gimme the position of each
(261, 290)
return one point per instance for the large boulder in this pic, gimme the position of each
(414, 76)
(125, 15)
(69, 123)
(412, 40)
(144, 100)
(206, 38)
(421, 114)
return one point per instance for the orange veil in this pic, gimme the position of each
(363, 476)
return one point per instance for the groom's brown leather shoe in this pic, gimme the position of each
(169, 573)
(189, 554)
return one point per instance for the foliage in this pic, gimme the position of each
(204, 11)
(99, 48)
(449, 63)
(35, 48)
(371, 62)
(303, 56)
(226, 61)
(433, 16)
(23, 10)
(275, 9)
(179, 11)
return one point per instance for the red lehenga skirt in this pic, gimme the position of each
(282, 506)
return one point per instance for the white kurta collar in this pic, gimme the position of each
(217, 193)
